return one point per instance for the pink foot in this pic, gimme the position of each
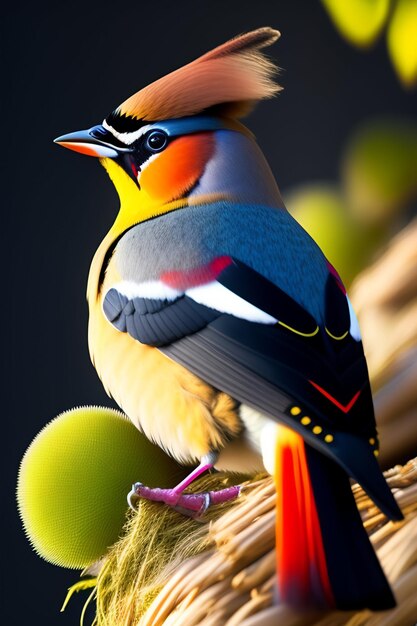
(190, 504)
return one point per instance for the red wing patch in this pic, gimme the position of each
(343, 407)
(186, 279)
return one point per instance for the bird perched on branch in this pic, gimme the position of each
(220, 328)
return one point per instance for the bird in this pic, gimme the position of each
(220, 328)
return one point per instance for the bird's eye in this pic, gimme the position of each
(156, 141)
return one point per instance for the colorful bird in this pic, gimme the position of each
(220, 328)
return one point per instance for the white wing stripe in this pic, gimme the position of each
(354, 324)
(216, 296)
(213, 295)
(153, 289)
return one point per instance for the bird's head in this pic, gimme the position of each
(178, 141)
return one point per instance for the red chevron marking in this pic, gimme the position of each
(345, 408)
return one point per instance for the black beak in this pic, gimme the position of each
(99, 142)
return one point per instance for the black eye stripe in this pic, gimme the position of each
(124, 123)
(141, 150)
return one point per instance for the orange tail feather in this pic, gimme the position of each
(324, 556)
(301, 563)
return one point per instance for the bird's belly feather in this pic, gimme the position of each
(172, 406)
(246, 453)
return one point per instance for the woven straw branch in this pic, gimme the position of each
(234, 584)
(230, 580)
(385, 299)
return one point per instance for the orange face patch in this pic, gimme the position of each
(176, 170)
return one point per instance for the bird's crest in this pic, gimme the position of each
(230, 79)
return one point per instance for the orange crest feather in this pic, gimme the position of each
(232, 78)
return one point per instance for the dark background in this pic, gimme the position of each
(66, 67)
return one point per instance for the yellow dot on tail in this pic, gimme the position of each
(328, 438)
(317, 430)
(295, 410)
(376, 452)
(305, 421)
(372, 441)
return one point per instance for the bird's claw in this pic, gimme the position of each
(205, 501)
(133, 496)
(190, 504)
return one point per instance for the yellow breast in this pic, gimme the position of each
(174, 408)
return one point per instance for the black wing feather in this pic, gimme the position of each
(269, 367)
(156, 322)
(264, 294)
(256, 380)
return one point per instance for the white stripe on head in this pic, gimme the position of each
(127, 138)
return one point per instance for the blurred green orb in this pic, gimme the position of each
(321, 211)
(74, 478)
(380, 170)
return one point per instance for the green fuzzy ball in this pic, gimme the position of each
(322, 212)
(74, 478)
